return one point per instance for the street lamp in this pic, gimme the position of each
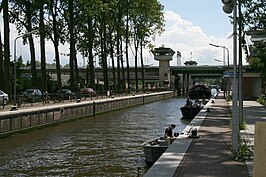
(235, 89)
(229, 7)
(14, 107)
(214, 45)
(219, 61)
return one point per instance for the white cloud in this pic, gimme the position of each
(183, 36)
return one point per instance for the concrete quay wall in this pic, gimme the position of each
(27, 119)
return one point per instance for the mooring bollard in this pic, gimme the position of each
(94, 107)
(194, 132)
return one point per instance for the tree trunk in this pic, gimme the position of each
(122, 65)
(7, 78)
(90, 46)
(91, 66)
(57, 62)
(33, 62)
(142, 65)
(127, 42)
(104, 59)
(112, 59)
(56, 44)
(118, 58)
(31, 44)
(136, 68)
(76, 66)
(1, 64)
(73, 84)
(42, 47)
(136, 45)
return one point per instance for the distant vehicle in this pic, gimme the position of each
(214, 92)
(66, 94)
(3, 98)
(88, 91)
(217, 87)
(33, 95)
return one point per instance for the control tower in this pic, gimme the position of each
(163, 55)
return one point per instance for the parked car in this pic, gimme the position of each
(88, 91)
(3, 98)
(66, 94)
(33, 95)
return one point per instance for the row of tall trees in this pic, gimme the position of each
(102, 28)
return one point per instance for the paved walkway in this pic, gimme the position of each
(209, 155)
(252, 112)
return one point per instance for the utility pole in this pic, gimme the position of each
(235, 83)
(229, 7)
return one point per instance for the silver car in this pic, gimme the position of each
(3, 98)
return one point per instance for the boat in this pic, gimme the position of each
(189, 112)
(199, 92)
(154, 148)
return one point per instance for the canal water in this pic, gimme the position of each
(105, 145)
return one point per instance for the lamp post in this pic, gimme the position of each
(235, 83)
(15, 68)
(225, 83)
(219, 61)
(229, 7)
(214, 45)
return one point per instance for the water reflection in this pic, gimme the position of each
(105, 145)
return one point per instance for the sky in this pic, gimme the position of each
(190, 26)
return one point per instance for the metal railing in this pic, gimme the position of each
(23, 101)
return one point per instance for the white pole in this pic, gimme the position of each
(15, 73)
(224, 55)
(227, 82)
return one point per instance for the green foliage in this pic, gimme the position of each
(259, 62)
(261, 99)
(244, 153)
(254, 14)
(228, 98)
(244, 150)
(242, 126)
(147, 17)
(93, 27)
(254, 18)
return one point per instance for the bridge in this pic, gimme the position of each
(175, 77)
(151, 74)
(186, 76)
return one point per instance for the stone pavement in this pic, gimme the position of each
(209, 155)
(252, 112)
